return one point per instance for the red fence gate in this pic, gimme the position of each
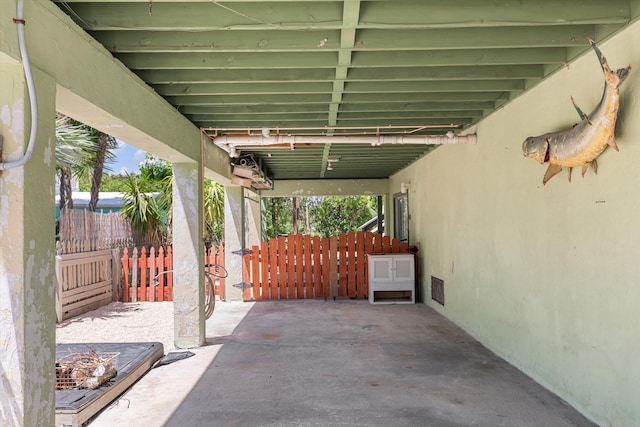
(140, 269)
(300, 266)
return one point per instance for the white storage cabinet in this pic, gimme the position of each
(392, 279)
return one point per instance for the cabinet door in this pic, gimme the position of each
(380, 269)
(403, 268)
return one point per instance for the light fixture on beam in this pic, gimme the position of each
(330, 161)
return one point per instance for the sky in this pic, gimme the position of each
(128, 159)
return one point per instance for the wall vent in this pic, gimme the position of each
(437, 290)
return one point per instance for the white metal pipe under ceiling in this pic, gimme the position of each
(229, 143)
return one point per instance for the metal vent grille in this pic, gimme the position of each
(437, 290)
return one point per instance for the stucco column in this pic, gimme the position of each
(188, 256)
(253, 234)
(27, 253)
(233, 240)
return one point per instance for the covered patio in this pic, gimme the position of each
(545, 276)
(337, 363)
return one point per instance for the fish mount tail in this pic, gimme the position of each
(612, 78)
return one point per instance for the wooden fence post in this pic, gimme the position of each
(342, 265)
(264, 270)
(134, 276)
(351, 264)
(159, 286)
(143, 263)
(274, 285)
(377, 243)
(126, 263)
(282, 267)
(116, 268)
(317, 268)
(151, 291)
(299, 266)
(246, 277)
(307, 278)
(360, 260)
(333, 272)
(169, 266)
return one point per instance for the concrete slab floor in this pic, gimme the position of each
(337, 363)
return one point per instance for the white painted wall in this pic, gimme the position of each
(547, 277)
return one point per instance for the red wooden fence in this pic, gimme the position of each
(300, 266)
(140, 268)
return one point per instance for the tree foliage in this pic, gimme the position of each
(111, 183)
(321, 216)
(84, 153)
(144, 210)
(74, 152)
(277, 216)
(336, 214)
(149, 202)
(214, 211)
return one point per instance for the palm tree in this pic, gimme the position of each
(104, 154)
(143, 210)
(81, 151)
(148, 202)
(73, 146)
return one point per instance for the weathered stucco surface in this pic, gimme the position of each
(188, 291)
(27, 310)
(234, 229)
(547, 277)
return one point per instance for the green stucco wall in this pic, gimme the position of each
(547, 277)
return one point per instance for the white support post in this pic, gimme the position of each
(234, 226)
(188, 255)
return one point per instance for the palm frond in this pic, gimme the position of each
(73, 143)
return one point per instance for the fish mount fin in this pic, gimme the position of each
(613, 78)
(582, 114)
(594, 166)
(552, 171)
(622, 74)
(569, 170)
(612, 144)
(601, 58)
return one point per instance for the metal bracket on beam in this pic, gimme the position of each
(242, 285)
(243, 252)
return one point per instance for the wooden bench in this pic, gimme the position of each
(84, 282)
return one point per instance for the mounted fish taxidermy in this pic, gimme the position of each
(584, 142)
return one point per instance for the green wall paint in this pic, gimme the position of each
(547, 277)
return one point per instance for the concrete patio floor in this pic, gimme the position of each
(337, 363)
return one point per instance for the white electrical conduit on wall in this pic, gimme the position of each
(229, 143)
(19, 20)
